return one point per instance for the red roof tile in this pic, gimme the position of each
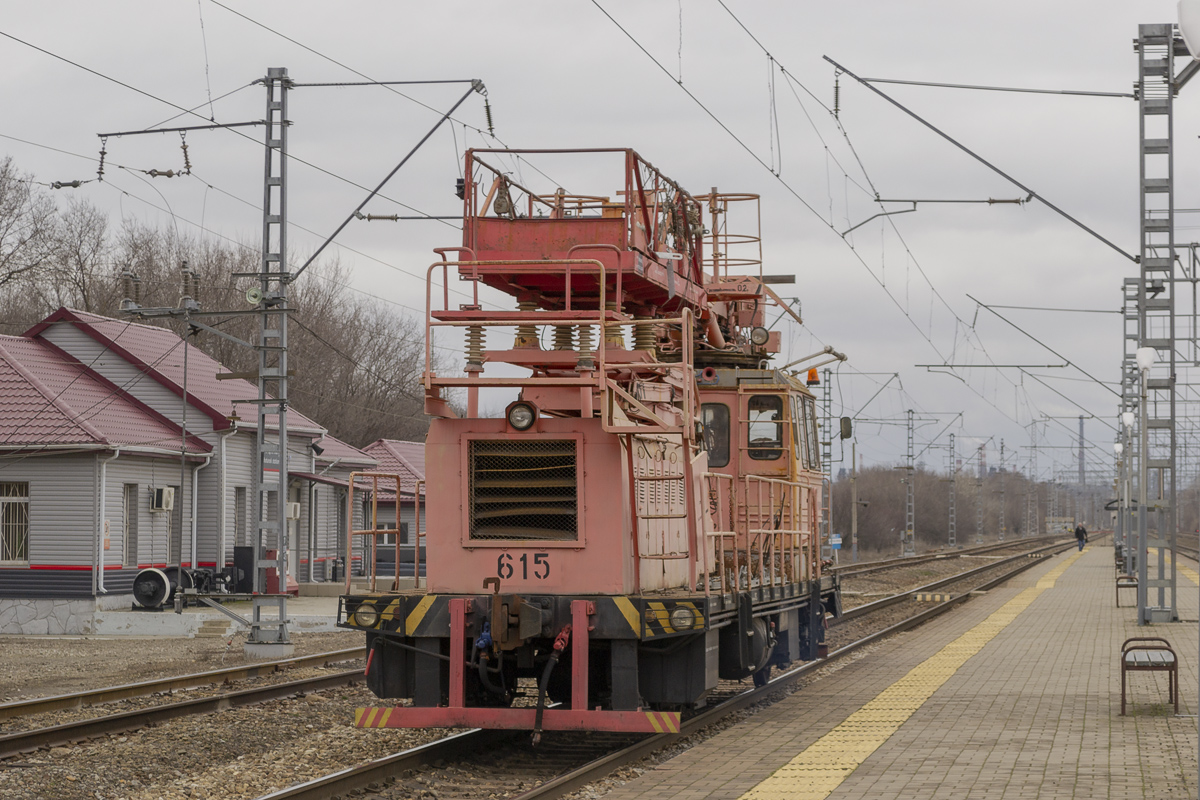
(159, 352)
(405, 458)
(334, 450)
(48, 398)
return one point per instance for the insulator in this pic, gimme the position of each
(103, 153)
(66, 184)
(614, 335)
(487, 112)
(503, 203)
(527, 335)
(476, 336)
(585, 354)
(170, 173)
(187, 163)
(837, 96)
(564, 337)
(127, 301)
(695, 227)
(645, 336)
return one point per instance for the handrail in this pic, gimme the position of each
(374, 531)
(419, 492)
(719, 535)
(637, 196)
(513, 266)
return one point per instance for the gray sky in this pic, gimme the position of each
(562, 74)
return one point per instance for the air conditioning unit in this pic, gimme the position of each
(293, 511)
(162, 498)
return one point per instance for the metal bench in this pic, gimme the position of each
(1150, 654)
(1125, 582)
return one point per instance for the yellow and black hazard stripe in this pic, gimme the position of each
(615, 617)
(664, 617)
(374, 613)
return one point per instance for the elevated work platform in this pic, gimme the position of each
(1015, 695)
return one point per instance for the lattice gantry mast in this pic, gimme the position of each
(271, 481)
(1156, 46)
(826, 427)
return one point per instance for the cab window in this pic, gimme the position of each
(715, 419)
(810, 425)
(765, 426)
(799, 434)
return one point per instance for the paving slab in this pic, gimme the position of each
(1016, 694)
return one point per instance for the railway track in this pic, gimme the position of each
(900, 597)
(868, 567)
(500, 764)
(69, 732)
(112, 694)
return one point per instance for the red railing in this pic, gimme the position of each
(769, 543)
(372, 520)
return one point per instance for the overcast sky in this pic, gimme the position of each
(892, 295)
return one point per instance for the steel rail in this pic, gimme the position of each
(597, 769)
(883, 603)
(84, 699)
(55, 735)
(364, 776)
(892, 563)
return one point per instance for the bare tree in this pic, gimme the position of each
(79, 274)
(358, 361)
(27, 221)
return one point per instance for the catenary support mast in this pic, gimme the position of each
(271, 481)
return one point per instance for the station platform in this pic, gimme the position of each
(1016, 694)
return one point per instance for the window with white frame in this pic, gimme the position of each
(14, 523)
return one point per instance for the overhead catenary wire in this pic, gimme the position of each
(202, 227)
(476, 86)
(899, 305)
(185, 111)
(874, 191)
(985, 162)
(350, 69)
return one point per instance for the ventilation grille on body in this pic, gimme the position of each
(523, 490)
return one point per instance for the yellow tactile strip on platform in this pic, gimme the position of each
(821, 768)
(1189, 573)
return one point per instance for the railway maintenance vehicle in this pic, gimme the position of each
(642, 521)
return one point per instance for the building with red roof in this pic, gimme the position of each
(407, 460)
(120, 449)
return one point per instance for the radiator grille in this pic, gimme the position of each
(524, 490)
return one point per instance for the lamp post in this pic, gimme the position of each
(1145, 360)
(1127, 419)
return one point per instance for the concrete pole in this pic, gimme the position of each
(854, 502)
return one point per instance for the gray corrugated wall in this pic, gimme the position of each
(62, 511)
(240, 465)
(152, 531)
(62, 521)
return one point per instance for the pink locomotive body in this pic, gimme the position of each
(642, 521)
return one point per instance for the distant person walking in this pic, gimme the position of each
(1080, 535)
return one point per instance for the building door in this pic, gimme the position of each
(294, 542)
